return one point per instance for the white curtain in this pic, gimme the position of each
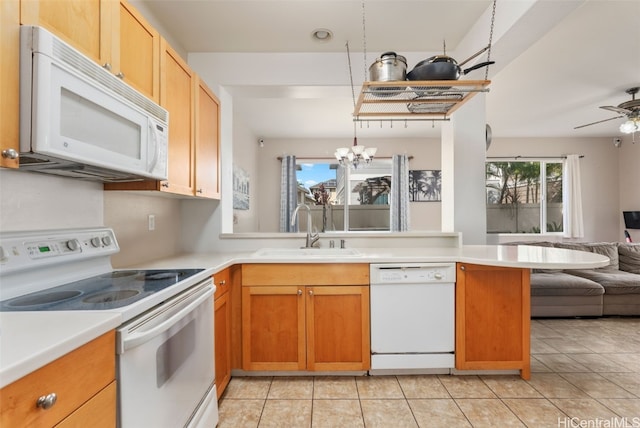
(288, 193)
(399, 193)
(573, 225)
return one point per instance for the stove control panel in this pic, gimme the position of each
(28, 250)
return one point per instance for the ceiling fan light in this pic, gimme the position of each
(629, 127)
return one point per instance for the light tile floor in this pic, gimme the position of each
(585, 372)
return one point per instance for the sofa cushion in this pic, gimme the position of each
(629, 257)
(563, 284)
(609, 249)
(614, 281)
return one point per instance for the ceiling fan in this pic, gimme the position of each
(629, 109)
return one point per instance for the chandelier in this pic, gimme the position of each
(356, 156)
(630, 126)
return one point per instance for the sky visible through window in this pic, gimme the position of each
(314, 173)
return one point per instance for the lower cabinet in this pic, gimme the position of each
(493, 318)
(306, 326)
(222, 327)
(83, 381)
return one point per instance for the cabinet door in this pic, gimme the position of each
(273, 330)
(222, 326)
(207, 166)
(9, 82)
(136, 50)
(85, 24)
(176, 95)
(338, 328)
(492, 318)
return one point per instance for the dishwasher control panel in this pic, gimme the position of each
(412, 273)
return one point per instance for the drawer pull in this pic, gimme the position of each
(299, 292)
(223, 282)
(47, 401)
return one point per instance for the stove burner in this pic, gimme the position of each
(160, 275)
(111, 296)
(42, 299)
(119, 274)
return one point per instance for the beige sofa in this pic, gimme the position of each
(611, 290)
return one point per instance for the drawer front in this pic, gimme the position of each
(74, 378)
(305, 274)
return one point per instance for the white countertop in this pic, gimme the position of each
(30, 340)
(517, 256)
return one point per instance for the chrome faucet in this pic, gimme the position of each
(311, 238)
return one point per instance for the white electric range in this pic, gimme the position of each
(165, 346)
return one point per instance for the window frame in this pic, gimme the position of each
(544, 200)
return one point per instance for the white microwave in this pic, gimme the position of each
(79, 120)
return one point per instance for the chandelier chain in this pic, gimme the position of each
(493, 19)
(364, 41)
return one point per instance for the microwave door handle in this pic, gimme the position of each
(138, 338)
(154, 140)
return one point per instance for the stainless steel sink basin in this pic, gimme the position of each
(307, 252)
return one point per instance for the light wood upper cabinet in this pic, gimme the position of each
(293, 320)
(85, 385)
(9, 82)
(177, 96)
(194, 160)
(85, 24)
(207, 118)
(111, 32)
(135, 51)
(493, 307)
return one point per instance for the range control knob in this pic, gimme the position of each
(95, 242)
(73, 244)
(107, 241)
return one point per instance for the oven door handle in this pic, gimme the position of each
(131, 340)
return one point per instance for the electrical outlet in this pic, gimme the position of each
(152, 222)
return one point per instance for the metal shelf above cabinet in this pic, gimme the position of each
(415, 100)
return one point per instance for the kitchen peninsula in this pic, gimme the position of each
(18, 356)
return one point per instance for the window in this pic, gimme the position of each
(329, 188)
(524, 197)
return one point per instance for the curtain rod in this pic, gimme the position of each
(530, 157)
(333, 158)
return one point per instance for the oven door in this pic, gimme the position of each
(166, 364)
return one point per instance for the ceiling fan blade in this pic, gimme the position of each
(617, 109)
(600, 121)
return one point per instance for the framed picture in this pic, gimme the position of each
(240, 189)
(425, 185)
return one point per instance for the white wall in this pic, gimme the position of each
(30, 201)
(629, 181)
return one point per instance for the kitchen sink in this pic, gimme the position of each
(307, 252)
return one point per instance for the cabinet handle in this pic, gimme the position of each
(299, 292)
(310, 292)
(10, 154)
(120, 75)
(223, 282)
(462, 267)
(199, 191)
(47, 401)
(106, 66)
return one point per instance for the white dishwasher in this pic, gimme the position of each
(412, 317)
